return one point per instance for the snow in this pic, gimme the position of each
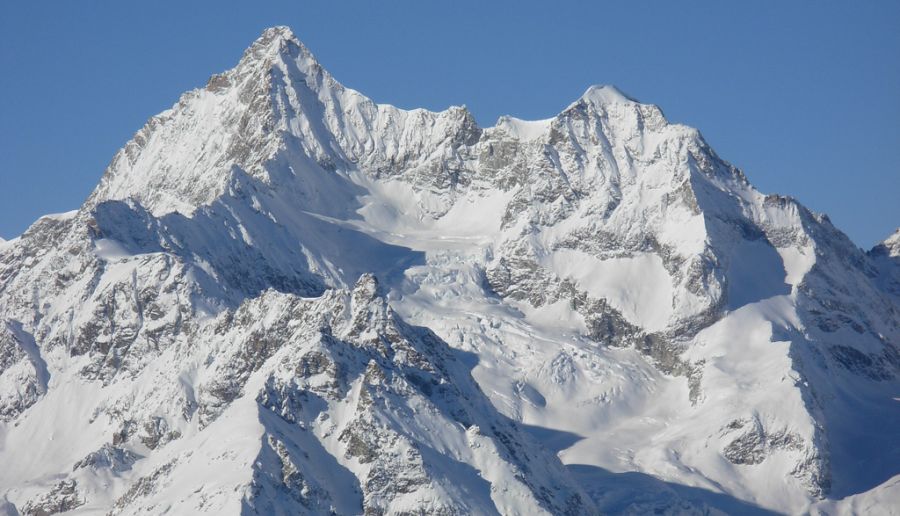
(797, 262)
(110, 250)
(639, 286)
(602, 95)
(26, 341)
(882, 499)
(66, 215)
(892, 244)
(556, 317)
(756, 272)
(525, 130)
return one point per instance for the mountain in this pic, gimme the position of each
(285, 298)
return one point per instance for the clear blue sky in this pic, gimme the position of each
(804, 96)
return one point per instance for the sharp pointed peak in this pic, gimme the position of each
(272, 41)
(276, 32)
(277, 37)
(604, 94)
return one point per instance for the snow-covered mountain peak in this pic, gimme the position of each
(600, 96)
(890, 246)
(272, 41)
(275, 47)
(278, 48)
(277, 117)
(278, 32)
(603, 94)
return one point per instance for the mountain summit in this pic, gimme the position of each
(284, 298)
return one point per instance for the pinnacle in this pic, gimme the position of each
(603, 94)
(271, 41)
(366, 286)
(279, 32)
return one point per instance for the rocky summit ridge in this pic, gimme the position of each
(283, 298)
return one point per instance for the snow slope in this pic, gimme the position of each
(589, 313)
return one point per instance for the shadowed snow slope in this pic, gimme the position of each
(589, 313)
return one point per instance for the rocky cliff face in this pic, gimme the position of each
(558, 302)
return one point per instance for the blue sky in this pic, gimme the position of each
(804, 96)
